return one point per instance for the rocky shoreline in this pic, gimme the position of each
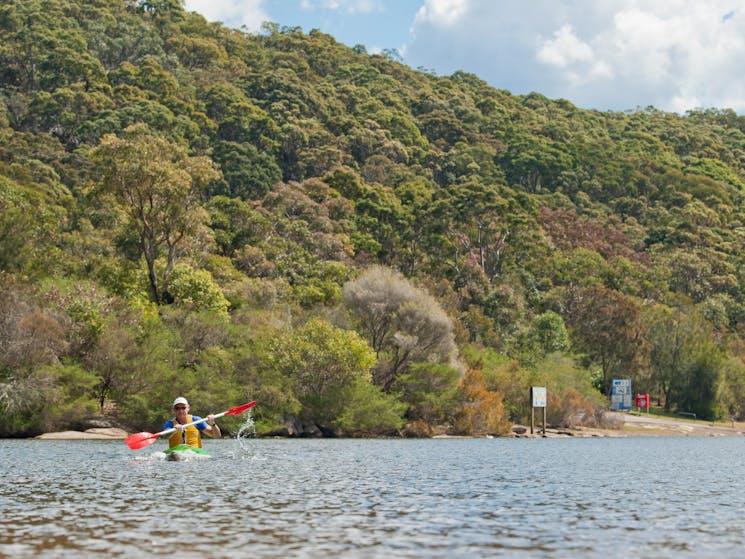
(630, 429)
(649, 428)
(629, 426)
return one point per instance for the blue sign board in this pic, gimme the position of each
(620, 396)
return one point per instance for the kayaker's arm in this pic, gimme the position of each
(214, 428)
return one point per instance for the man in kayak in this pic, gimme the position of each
(191, 435)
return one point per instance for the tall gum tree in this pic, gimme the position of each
(607, 327)
(159, 187)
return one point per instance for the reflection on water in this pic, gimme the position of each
(641, 497)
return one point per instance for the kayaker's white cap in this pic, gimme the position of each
(180, 400)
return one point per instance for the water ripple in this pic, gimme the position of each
(677, 497)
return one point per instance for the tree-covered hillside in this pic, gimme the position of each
(188, 209)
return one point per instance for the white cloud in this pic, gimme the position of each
(347, 6)
(643, 44)
(685, 59)
(681, 103)
(616, 54)
(443, 13)
(564, 49)
(248, 13)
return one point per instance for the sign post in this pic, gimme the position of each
(537, 400)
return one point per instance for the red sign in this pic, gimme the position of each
(642, 401)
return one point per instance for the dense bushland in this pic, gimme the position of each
(187, 209)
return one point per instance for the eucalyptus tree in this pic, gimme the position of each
(607, 327)
(685, 360)
(158, 186)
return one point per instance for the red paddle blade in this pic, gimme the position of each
(140, 440)
(240, 409)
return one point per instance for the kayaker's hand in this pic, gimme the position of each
(210, 419)
(179, 427)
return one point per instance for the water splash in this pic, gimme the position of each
(149, 457)
(248, 429)
(246, 437)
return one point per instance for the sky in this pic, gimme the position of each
(617, 55)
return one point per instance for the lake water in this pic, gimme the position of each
(456, 498)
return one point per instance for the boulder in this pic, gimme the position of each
(519, 429)
(103, 433)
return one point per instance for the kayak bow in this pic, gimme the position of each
(184, 452)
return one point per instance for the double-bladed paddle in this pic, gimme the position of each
(141, 440)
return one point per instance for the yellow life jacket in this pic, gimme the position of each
(190, 435)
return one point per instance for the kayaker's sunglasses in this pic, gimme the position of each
(179, 407)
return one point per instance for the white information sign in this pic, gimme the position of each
(539, 396)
